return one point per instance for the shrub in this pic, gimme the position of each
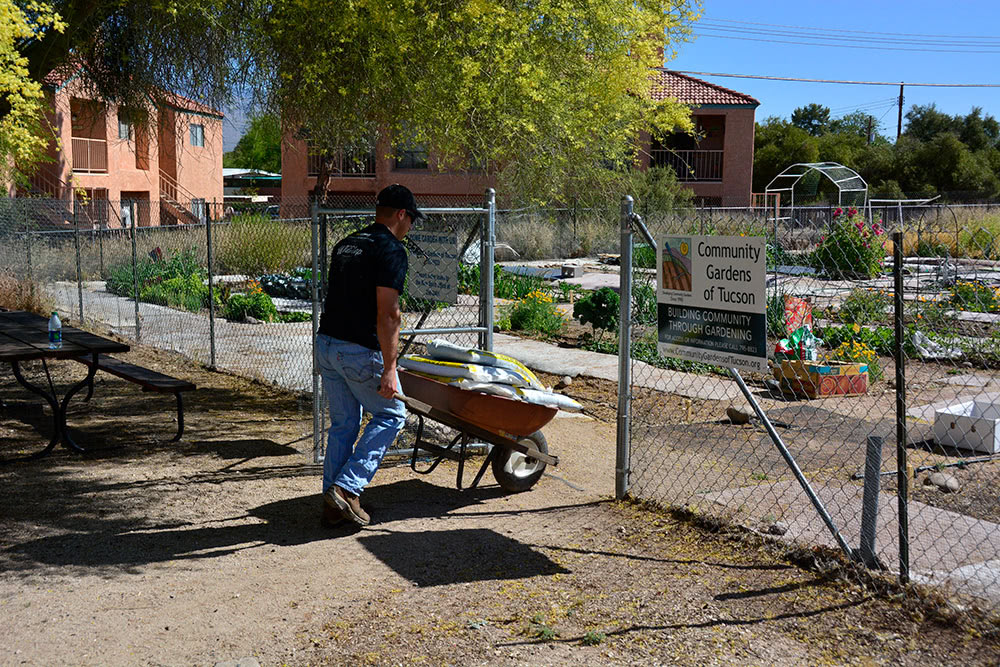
(975, 296)
(506, 285)
(775, 310)
(880, 339)
(536, 312)
(853, 249)
(644, 299)
(255, 303)
(180, 265)
(864, 306)
(188, 292)
(255, 245)
(599, 309)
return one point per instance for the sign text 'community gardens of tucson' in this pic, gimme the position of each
(711, 302)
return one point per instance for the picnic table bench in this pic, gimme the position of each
(146, 378)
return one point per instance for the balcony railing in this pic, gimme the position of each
(90, 156)
(690, 165)
(345, 166)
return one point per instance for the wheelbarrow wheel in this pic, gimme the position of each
(516, 472)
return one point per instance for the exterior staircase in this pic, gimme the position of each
(171, 196)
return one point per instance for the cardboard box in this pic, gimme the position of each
(969, 425)
(820, 379)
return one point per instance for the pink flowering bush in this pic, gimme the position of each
(854, 248)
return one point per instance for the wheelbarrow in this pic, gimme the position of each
(519, 452)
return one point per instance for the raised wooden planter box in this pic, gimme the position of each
(821, 379)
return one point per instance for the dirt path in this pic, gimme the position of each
(148, 552)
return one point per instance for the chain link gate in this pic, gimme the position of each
(468, 322)
(698, 436)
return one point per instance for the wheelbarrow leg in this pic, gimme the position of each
(482, 470)
(461, 461)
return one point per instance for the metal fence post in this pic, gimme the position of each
(869, 506)
(135, 275)
(211, 289)
(316, 406)
(624, 351)
(486, 269)
(902, 482)
(79, 272)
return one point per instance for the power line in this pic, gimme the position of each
(852, 31)
(843, 46)
(837, 81)
(841, 39)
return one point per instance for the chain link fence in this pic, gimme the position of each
(915, 299)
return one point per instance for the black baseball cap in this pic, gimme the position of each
(399, 197)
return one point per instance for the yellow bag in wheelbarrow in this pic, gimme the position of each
(443, 350)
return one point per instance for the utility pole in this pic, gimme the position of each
(899, 121)
(871, 120)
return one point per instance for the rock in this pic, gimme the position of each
(564, 382)
(737, 416)
(944, 482)
(251, 320)
(776, 528)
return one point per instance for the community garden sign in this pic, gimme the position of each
(711, 300)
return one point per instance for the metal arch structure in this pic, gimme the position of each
(845, 178)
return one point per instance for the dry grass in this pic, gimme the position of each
(23, 294)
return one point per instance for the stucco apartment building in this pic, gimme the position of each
(119, 172)
(717, 163)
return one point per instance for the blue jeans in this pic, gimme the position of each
(351, 375)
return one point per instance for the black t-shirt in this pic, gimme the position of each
(366, 259)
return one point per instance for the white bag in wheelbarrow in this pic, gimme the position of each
(444, 350)
(475, 372)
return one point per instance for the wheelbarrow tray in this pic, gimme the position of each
(500, 415)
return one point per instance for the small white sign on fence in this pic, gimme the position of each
(434, 273)
(710, 294)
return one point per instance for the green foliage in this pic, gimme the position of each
(813, 118)
(260, 146)
(644, 302)
(981, 238)
(254, 245)
(294, 316)
(864, 306)
(654, 189)
(183, 264)
(853, 249)
(255, 304)
(645, 350)
(549, 90)
(599, 309)
(592, 638)
(536, 313)
(975, 296)
(857, 352)
(188, 292)
(506, 285)
(644, 256)
(775, 313)
(880, 339)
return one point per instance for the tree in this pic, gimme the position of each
(777, 145)
(860, 124)
(977, 131)
(548, 91)
(259, 147)
(924, 122)
(22, 138)
(813, 118)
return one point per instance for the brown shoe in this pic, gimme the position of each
(348, 504)
(332, 516)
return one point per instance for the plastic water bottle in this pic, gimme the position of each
(55, 332)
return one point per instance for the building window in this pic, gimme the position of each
(124, 129)
(197, 135)
(412, 157)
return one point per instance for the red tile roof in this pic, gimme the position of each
(690, 90)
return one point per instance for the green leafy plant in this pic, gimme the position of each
(506, 285)
(592, 638)
(599, 309)
(880, 339)
(853, 249)
(187, 292)
(864, 306)
(775, 313)
(537, 313)
(254, 245)
(859, 353)
(975, 296)
(644, 301)
(644, 256)
(255, 303)
(294, 316)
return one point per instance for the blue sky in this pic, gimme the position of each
(956, 25)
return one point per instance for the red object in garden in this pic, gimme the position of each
(798, 313)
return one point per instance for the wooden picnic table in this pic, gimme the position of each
(25, 337)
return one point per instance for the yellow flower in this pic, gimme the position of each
(856, 328)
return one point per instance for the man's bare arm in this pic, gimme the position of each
(387, 327)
